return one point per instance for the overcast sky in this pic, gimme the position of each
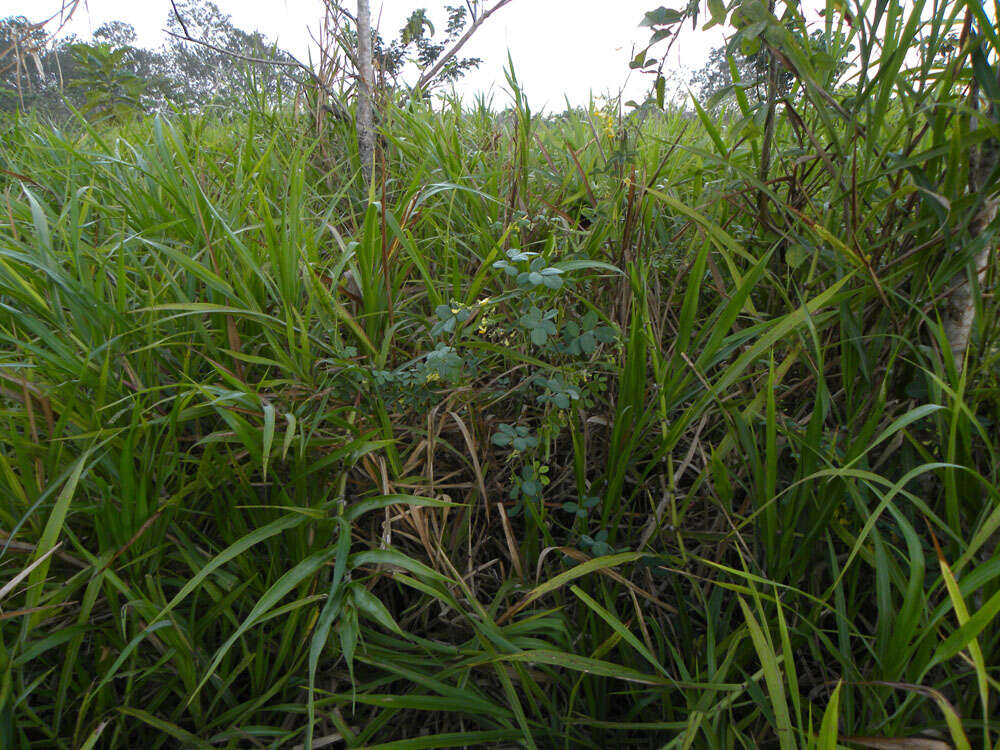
(560, 47)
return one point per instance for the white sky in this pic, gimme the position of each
(560, 47)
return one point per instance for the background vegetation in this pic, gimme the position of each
(598, 429)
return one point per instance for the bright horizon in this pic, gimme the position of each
(562, 49)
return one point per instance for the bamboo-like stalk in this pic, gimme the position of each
(365, 117)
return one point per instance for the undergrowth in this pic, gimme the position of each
(571, 431)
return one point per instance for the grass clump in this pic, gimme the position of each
(557, 436)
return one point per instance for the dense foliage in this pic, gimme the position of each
(596, 430)
(208, 61)
(112, 69)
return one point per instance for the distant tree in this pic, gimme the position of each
(22, 75)
(208, 61)
(716, 75)
(117, 34)
(151, 66)
(715, 78)
(111, 90)
(215, 69)
(110, 74)
(97, 77)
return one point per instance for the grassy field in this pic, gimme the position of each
(585, 431)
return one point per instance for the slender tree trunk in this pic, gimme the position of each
(366, 84)
(960, 309)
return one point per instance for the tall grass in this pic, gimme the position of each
(578, 431)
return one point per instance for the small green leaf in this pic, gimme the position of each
(796, 255)
(349, 632)
(268, 437)
(368, 605)
(828, 730)
(661, 17)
